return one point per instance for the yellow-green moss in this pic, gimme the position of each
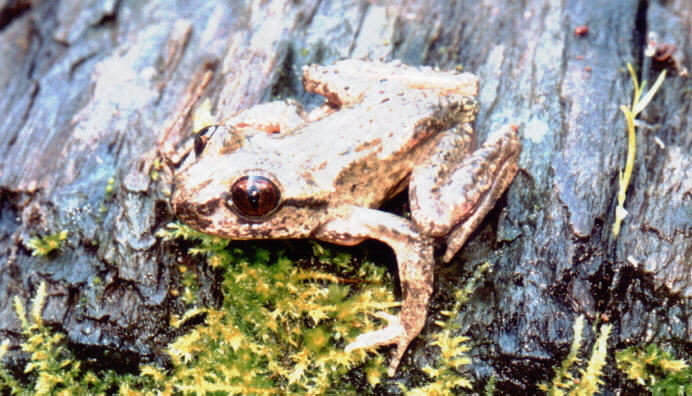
(445, 376)
(51, 367)
(656, 369)
(571, 380)
(281, 328)
(44, 245)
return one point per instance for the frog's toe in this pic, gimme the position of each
(388, 335)
(393, 333)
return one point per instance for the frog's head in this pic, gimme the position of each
(245, 194)
(251, 204)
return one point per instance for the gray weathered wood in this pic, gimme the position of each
(96, 90)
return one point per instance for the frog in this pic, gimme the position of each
(277, 171)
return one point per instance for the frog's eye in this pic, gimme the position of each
(254, 196)
(202, 137)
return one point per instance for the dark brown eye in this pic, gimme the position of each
(255, 196)
(202, 137)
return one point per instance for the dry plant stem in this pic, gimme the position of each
(639, 102)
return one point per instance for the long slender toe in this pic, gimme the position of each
(388, 335)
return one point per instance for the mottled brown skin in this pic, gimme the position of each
(385, 126)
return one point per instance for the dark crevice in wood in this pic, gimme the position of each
(12, 10)
(108, 19)
(639, 37)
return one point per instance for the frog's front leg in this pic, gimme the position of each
(414, 254)
(449, 200)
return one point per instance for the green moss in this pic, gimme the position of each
(44, 245)
(155, 172)
(110, 187)
(656, 369)
(281, 328)
(51, 367)
(569, 379)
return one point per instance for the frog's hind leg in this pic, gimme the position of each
(345, 82)
(414, 254)
(450, 199)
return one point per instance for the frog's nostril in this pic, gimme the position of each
(254, 196)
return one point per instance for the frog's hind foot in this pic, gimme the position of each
(393, 333)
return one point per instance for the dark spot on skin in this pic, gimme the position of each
(264, 234)
(312, 203)
(208, 207)
(201, 186)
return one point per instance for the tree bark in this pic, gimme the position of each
(93, 91)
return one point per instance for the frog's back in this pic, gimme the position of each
(363, 155)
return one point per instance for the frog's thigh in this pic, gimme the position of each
(278, 116)
(345, 82)
(467, 191)
(429, 209)
(414, 255)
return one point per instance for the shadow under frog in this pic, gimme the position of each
(273, 171)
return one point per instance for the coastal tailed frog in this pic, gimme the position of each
(274, 171)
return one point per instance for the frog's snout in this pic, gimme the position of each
(189, 210)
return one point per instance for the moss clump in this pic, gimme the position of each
(571, 380)
(280, 328)
(44, 245)
(656, 369)
(51, 367)
(445, 376)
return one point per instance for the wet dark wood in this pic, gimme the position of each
(92, 91)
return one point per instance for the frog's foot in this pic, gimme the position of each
(386, 336)
(414, 254)
(393, 333)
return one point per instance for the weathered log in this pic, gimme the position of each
(92, 91)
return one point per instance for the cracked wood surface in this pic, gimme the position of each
(92, 91)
